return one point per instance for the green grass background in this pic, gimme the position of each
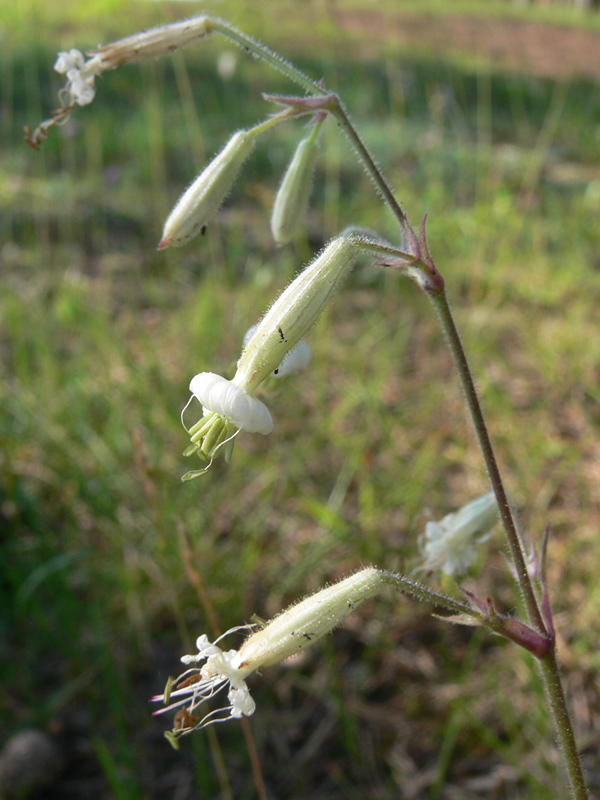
(102, 547)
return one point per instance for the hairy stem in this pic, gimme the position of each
(549, 666)
(421, 592)
(440, 302)
(558, 703)
(337, 109)
(267, 55)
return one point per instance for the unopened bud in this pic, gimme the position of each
(291, 201)
(295, 311)
(201, 200)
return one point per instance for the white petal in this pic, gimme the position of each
(82, 89)
(241, 701)
(72, 60)
(232, 402)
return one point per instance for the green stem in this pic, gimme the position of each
(558, 703)
(266, 54)
(440, 302)
(336, 107)
(270, 122)
(421, 592)
(548, 663)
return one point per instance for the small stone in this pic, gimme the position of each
(29, 761)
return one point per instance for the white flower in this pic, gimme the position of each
(229, 406)
(289, 633)
(295, 360)
(449, 545)
(232, 402)
(66, 61)
(139, 47)
(80, 75)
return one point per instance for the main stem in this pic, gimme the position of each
(558, 703)
(440, 302)
(549, 666)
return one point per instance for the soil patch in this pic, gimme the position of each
(528, 47)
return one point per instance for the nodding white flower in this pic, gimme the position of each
(292, 631)
(449, 545)
(201, 200)
(139, 47)
(223, 397)
(295, 360)
(292, 197)
(227, 408)
(230, 406)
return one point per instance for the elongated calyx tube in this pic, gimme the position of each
(202, 198)
(309, 620)
(295, 360)
(295, 311)
(153, 43)
(291, 201)
(292, 631)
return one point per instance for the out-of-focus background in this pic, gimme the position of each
(484, 115)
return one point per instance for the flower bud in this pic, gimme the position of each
(201, 200)
(295, 311)
(291, 200)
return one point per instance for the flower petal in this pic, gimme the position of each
(231, 401)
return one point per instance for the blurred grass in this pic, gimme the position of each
(99, 335)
